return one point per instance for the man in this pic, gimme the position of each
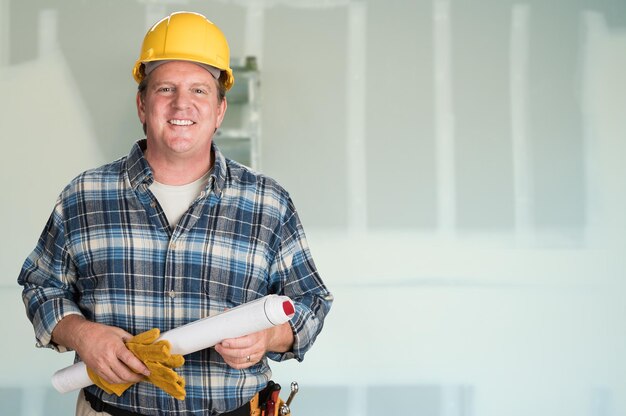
(169, 234)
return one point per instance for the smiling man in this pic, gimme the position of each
(171, 233)
(181, 109)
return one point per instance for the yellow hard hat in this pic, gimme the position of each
(186, 36)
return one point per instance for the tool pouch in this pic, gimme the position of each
(255, 410)
(258, 405)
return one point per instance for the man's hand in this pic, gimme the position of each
(156, 355)
(102, 349)
(246, 351)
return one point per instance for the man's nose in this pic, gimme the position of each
(182, 100)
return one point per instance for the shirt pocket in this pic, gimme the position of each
(235, 280)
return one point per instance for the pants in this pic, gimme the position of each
(83, 408)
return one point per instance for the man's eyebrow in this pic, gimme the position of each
(202, 84)
(159, 83)
(192, 84)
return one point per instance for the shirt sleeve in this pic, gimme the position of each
(47, 278)
(294, 271)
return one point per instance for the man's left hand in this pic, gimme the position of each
(246, 351)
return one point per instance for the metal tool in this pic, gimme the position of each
(284, 409)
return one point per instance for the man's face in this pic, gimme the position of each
(180, 109)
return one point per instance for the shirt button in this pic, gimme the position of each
(153, 204)
(172, 294)
(173, 245)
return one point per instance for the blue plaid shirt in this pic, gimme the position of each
(108, 253)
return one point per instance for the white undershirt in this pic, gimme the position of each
(176, 199)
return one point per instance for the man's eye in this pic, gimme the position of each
(165, 89)
(199, 91)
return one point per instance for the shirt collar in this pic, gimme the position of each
(137, 166)
(219, 170)
(139, 170)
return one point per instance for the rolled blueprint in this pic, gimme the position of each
(245, 319)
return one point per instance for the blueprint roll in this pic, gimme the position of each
(245, 319)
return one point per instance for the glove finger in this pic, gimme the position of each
(162, 374)
(152, 352)
(167, 379)
(147, 337)
(161, 380)
(160, 371)
(176, 390)
(174, 361)
(110, 388)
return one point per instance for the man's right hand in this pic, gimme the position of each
(102, 349)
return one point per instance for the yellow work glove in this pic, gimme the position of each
(159, 360)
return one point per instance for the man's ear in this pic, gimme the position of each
(141, 109)
(222, 106)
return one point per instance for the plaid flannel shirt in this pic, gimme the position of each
(108, 253)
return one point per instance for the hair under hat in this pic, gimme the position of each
(151, 66)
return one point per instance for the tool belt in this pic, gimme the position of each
(267, 402)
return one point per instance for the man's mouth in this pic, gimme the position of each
(181, 122)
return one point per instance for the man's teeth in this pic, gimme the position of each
(181, 122)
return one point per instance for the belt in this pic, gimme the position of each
(100, 406)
